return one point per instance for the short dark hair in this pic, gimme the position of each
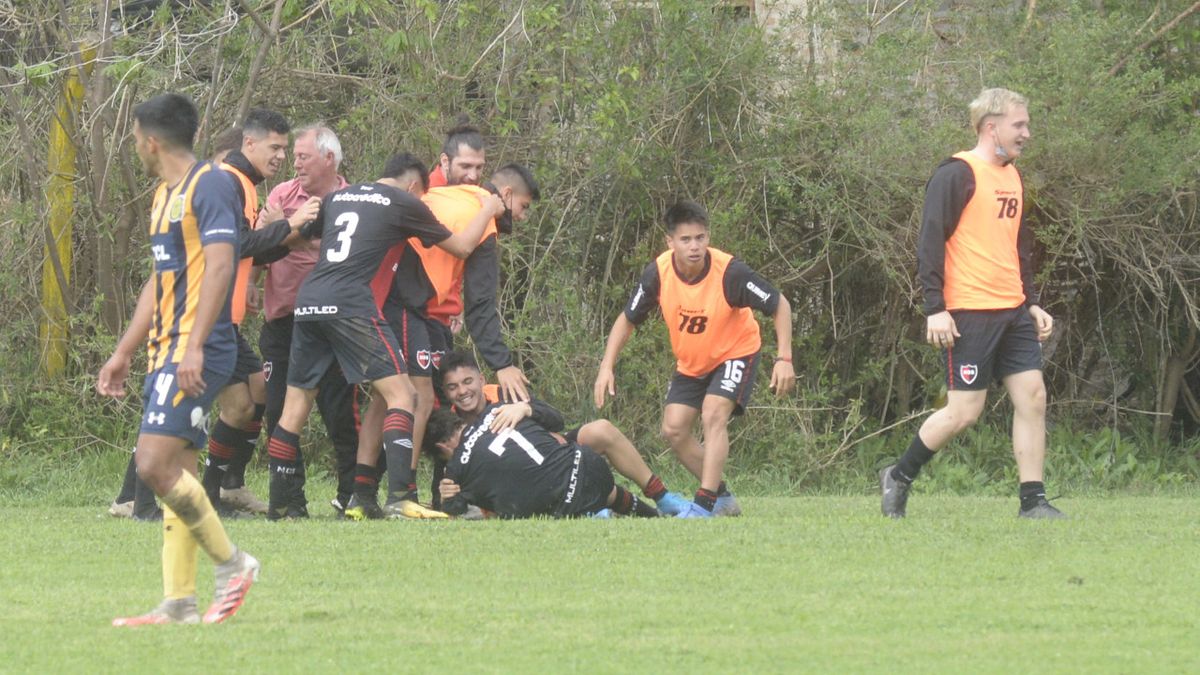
(441, 426)
(259, 122)
(460, 135)
(458, 359)
(518, 177)
(171, 118)
(685, 211)
(405, 162)
(227, 141)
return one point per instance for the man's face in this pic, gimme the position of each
(689, 243)
(464, 388)
(267, 154)
(466, 168)
(313, 169)
(446, 448)
(1011, 131)
(146, 148)
(517, 202)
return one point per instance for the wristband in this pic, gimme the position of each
(784, 358)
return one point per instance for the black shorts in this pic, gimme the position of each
(423, 341)
(733, 379)
(275, 338)
(994, 344)
(364, 347)
(590, 484)
(248, 362)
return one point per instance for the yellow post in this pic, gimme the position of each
(60, 192)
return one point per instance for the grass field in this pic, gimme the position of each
(820, 584)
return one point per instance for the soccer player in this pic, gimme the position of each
(507, 462)
(981, 307)
(337, 319)
(242, 401)
(317, 154)
(463, 157)
(706, 297)
(183, 315)
(426, 292)
(464, 386)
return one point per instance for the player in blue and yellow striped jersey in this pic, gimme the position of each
(183, 316)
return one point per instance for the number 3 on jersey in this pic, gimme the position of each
(348, 221)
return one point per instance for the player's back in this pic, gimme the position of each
(357, 226)
(517, 473)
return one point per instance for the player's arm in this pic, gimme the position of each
(545, 415)
(1041, 319)
(276, 239)
(215, 205)
(946, 196)
(111, 381)
(643, 299)
(481, 279)
(746, 288)
(461, 244)
(454, 500)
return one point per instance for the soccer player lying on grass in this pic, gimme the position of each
(508, 463)
(183, 310)
(706, 297)
(463, 384)
(337, 318)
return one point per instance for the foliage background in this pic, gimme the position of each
(807, 128)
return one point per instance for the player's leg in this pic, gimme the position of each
(397, 392)
(338, 401)
(226, 439)
(969, 365)
(236, 432)
(286, 464)
(607, 441)
(365, 500)
(715, 413)
(234, 492)
(677, 424)
(122, 505)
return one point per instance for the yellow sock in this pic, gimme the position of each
(178, 558)
(188, 500)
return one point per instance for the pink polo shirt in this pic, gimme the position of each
(285, 276)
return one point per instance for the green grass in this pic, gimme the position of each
(818, 584)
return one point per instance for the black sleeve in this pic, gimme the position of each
(314, 228)
(456, 505)
(1025, 255)
(420, 222)
(481, 279)
(255, 243)
(645, 296)
(746, 288)
(946, 195)
(546, 415)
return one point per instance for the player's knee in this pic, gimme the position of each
(673, 434)
(238, 414)
(964, 418)
(597, 432)
(1033, 400)
(714, 421)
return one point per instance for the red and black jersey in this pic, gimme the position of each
(708, 318)
(357, 226)
(975, 249)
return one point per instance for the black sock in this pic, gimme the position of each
(144, 504)
(1031, 493)
(912, 460)
(366, 482)
(626, 502)
(287, 471)
(247, 440)
(398, 447)
(222, 446)
(128, 485)
(654, 488)
(723, 491)
(705, 499)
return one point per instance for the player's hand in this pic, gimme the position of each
(1043, 321)
(512, 384)
(494, 205)
(606, 383)
(507, 416)
(111, 381)
(253, 298)
(940, 330)
(783, 378)
(308, 211)
(449, 489)
(269, 214)
(456, 324)
(190, 372)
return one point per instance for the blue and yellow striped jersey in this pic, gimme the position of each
(201, 209)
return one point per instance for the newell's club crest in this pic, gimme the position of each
(968, 372)
(424, 359)
(268, 368)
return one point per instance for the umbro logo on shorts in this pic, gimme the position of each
(968, 372)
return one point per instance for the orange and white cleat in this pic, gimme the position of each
(181, 610)
(234, 580)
